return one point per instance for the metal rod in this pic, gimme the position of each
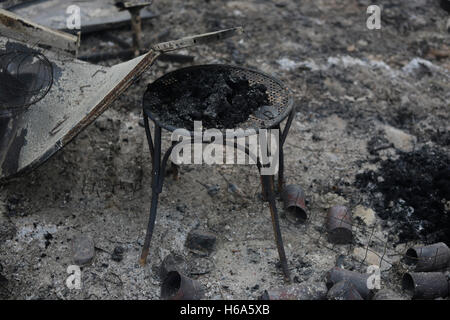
(149, 135)
(164, 165)
(282, 140)
(263, 190)
(136, 26)
(268, 186)
(287, 126)
(156, 172)
(174, 166)
(281, 160)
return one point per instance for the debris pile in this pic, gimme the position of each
(218, 99)
(415, 189)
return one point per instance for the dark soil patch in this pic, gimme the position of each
(441, 137)
(218, 99)
(415, 188)
(445, 4)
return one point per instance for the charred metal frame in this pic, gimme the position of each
(267, 181)
(28, 139)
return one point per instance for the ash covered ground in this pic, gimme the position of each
(367, 101)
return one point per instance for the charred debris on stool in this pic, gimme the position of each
(219, 99)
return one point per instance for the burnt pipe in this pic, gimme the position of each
(415, 188)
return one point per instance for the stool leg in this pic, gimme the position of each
(268, 187)
(280, 160)
(156, 175)
(281, 169)
(283, 136)
(263, 190)
(174, 167)
(149, 136)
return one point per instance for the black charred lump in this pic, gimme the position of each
(117, 254)
(217, 98)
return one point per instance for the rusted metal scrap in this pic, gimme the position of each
(172, 262)
(79, 94)
(426, 285)
(339, 225)
(344, 290)
(294, 202)
(177, 286)
(359, 280)
(428, 258)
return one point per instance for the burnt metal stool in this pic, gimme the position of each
(281, 102)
